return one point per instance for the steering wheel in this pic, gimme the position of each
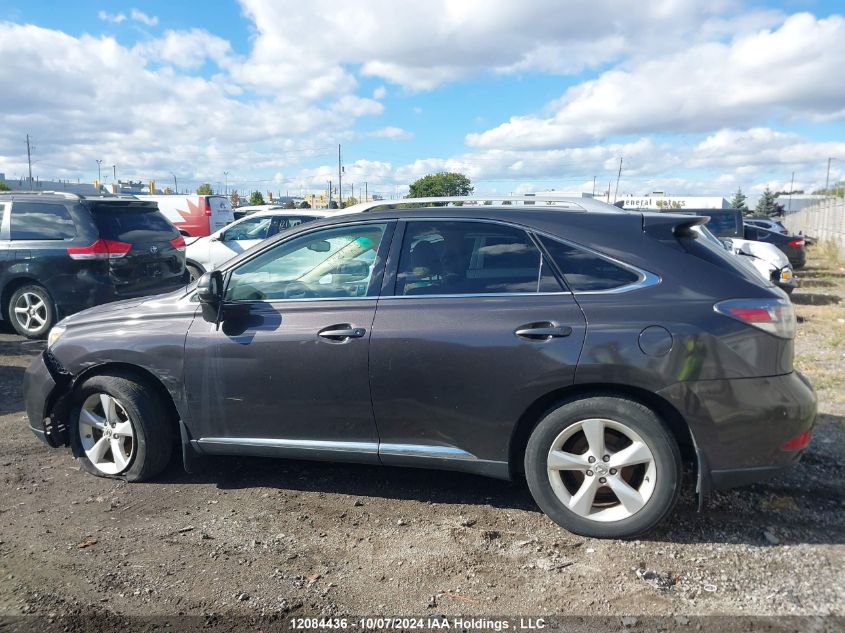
(298, 290)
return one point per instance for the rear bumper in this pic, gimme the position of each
(740, 425)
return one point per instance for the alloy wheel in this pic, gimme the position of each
(30, 312)
(601, 470)
(106, 433)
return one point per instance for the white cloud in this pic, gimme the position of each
(785, 72)
(380, 92)
(392, 132)
(140, 16)
(115, 18)
(187, 49)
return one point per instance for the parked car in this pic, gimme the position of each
(763, 222)
(61, 253)
(593, 352)
(771, 262)
(723, 223)
(208, 253)
(245, 210)
(792, 245)
(194, 215)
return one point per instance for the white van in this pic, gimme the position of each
(195, 216)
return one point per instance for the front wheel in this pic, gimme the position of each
(604, 467)
(121, 428)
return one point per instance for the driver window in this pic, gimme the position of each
(335, 262)
(251, 229)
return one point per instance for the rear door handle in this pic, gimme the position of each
(543, 331)
(341, 332)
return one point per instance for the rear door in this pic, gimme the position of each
(146, 252)
(473, 327)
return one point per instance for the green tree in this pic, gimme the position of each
(441, 184)
(304, 205)
(739, 201)
(204, 189)
(4, 186)
(290, 204)
(350, 201)
(768, 205)
(255, 198)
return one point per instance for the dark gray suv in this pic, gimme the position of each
(594, 353)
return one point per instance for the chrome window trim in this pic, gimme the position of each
(480, 294)
(422, 450)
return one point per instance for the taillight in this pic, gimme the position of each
(775, 316)
(797, 443)
(178, 243)
(204, 206)
(795, 243)
(101, 249)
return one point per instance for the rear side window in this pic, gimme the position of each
(585, 271)
(132, 223)
(449, 258)
(41, 221)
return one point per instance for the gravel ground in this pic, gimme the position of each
(270, 537)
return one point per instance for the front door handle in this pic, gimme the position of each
(341, 332)
(542, 331)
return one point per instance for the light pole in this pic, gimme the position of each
(99, 176)
(175, 184)
(226, 180)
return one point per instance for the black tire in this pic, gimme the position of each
(154, 430)
(194, 271)
(636, 417)
(48, 312)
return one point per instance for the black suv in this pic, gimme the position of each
(61, 253)
(593, 352)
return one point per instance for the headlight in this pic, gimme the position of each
(55, 333)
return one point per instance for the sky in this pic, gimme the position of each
(694, 96)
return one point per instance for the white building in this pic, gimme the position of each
(659, 200)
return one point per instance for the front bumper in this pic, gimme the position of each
(740, 425)
(42, 388)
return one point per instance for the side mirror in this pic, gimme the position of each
(210, 288)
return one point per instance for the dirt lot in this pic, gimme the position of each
(271, 537)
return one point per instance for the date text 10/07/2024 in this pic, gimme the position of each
(422, 623)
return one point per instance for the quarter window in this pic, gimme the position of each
(448, 258)
(584, 271)
(41, 221)
(330, 263)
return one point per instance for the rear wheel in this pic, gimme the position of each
(194, 272)
(31, 311)
(604, 467)
(121, 428)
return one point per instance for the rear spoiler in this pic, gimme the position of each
(666, 226)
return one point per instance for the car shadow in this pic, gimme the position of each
(802, 506)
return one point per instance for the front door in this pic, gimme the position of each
(286, 371)
(476, 330)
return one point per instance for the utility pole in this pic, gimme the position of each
(339, 180)
(329, 199)
(618, 176)
(226, 181)
(99, 177)
(366, 193)
(29, 161)
(594, 186)
(609, 182)
(826, 180)
(175, 184)
(114, 171)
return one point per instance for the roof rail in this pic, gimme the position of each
(65, 194)
(575, 204)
